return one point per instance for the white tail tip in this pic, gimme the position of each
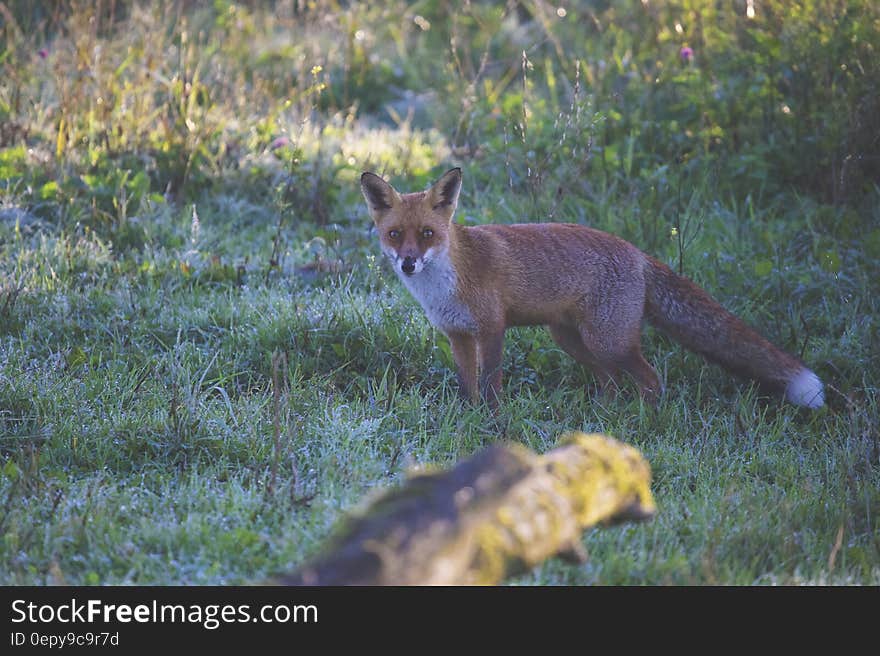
(805, 389)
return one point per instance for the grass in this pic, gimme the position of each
(204, 361)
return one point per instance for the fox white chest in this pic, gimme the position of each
(434, 288)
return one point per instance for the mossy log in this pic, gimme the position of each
(494, 515)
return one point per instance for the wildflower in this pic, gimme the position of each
(280, 142)
(686, 53)
(43, 53)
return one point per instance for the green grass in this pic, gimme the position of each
(204, 361)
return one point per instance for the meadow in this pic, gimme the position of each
(204, 360)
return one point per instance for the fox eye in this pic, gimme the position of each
(427, 233)
(394, 234)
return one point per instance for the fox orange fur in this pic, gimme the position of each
(591, 289)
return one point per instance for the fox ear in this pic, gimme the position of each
(380, 195)
(444, 194)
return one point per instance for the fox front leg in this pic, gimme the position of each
(490, 347)
(464, 350)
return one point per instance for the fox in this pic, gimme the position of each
(591, 289)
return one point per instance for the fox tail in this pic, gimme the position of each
(686, 313)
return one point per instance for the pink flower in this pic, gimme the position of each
(686, 53)
(280, 142)
(43, 53)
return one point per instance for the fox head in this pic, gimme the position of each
(413, 228)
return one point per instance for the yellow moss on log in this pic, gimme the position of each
(498, 513)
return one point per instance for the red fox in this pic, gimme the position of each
(591, 289)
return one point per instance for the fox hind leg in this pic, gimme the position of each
(622, 353)
(611, 332)
(569, 339)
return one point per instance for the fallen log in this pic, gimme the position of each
(493, 515)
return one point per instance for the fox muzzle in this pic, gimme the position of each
(409, 265)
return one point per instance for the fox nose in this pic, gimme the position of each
(409, 265)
